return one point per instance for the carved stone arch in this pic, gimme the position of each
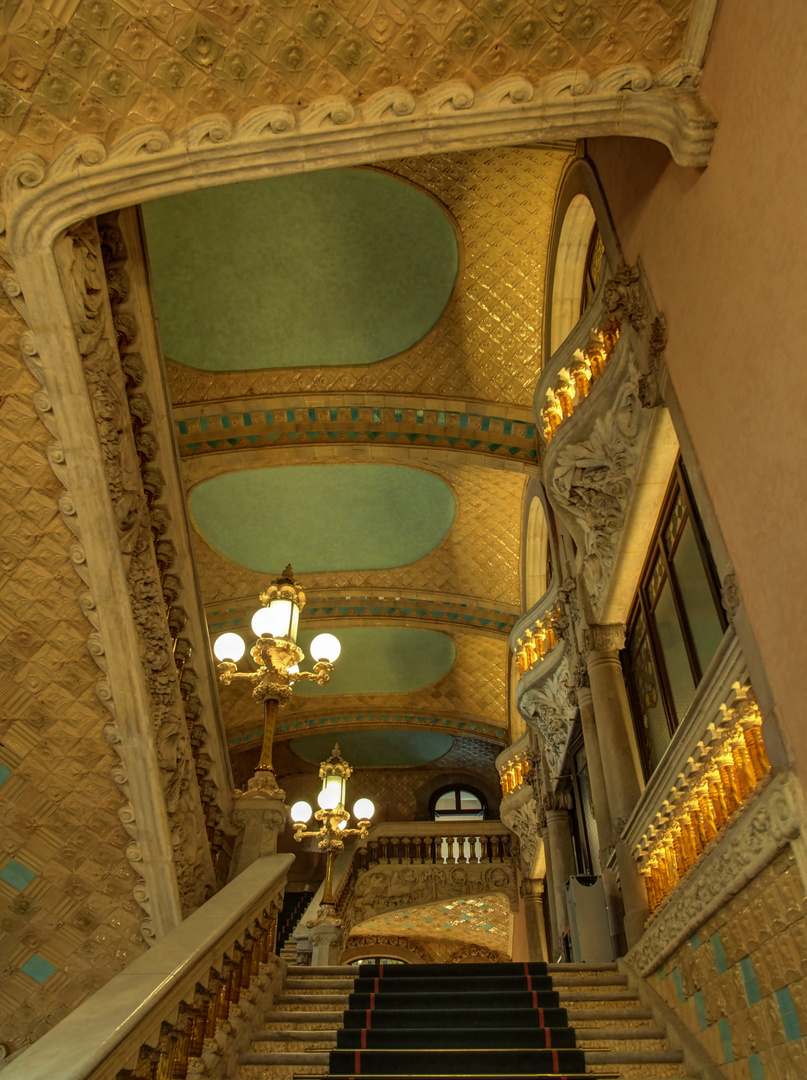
(386, 888)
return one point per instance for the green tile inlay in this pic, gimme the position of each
(719, 954)
(750, 980)
(661, 973)
(700, 1009)
(790, 1018)
(695, 941)
(756, 1067)
(724, 1028)
(679, 984)
(5, 772)
(38, 968)
(17, 875)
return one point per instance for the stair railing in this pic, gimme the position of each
(184, 1007)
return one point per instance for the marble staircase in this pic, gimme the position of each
(296, 1037)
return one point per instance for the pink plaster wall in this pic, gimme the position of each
(725, 251)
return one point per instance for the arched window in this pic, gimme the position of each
(457, 803)
(538, 555)
(576, 250)
(375, 960)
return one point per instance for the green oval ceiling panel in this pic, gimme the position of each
(343, 266)
(376, 749)
(381, 660)
(323, 517)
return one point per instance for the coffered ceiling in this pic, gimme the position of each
(395, 486)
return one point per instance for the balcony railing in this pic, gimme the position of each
(427, 843)
(536, 633)
(715, 765)
(514, 765)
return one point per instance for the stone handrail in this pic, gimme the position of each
(179, 1009)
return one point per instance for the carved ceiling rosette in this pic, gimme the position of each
(548, 702)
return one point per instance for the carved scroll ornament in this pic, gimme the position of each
(551, 708)
(591, 478)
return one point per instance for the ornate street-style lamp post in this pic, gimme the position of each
(278, 657)
(332, 816)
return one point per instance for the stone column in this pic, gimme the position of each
(553, 945)
(259, 815)
(532, 895)
(621, 765)
(325, 935)
(602, 815)
(560, 845)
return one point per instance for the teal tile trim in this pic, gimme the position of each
(661, 973)
(5, 772)
(38, 968)
(719, 954)
(695, 941)
(790, 1018)
(700, 1009)
(750, 980)
(679, 984)
(724, 1028)
(17, 875)
(756, 1067)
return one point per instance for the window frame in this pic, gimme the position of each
(644, 604)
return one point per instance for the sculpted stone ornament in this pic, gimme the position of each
(592, 476)
(386, 888)
(519, 812)
(623, 297)
(260, 816)
(551, 708)
(326, 934)
(653, 382)
(608, 637)
(730, 595)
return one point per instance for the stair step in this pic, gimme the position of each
(334, 983)
(599, 995)
(609, 1014)
(294, 1035)
(307, 1017)
(611, 1057)
(313, 999)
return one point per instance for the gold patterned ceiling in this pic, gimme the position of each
(455, 405)
(101, 67)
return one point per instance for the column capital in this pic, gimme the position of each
(609, 637)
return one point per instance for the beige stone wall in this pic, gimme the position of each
(740, 983)
(725, 251)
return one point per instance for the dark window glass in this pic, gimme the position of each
(676, 623)
(457, 803)
(592, 269)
